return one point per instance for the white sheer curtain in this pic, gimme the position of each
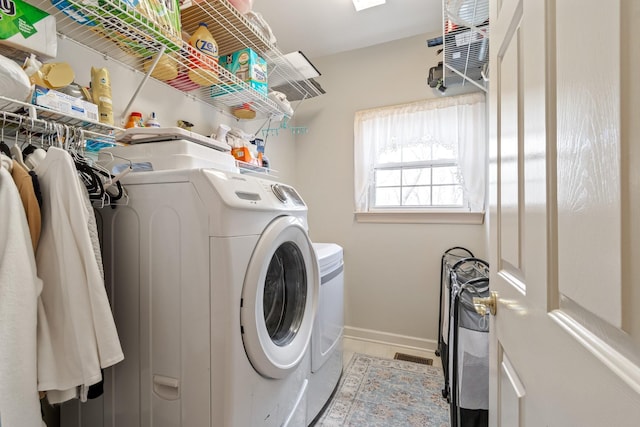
(456, 121)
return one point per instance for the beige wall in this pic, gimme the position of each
(392, 270)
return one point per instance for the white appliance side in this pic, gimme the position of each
(329, 322)
(157, 275)
(327, 335)
(176, 295)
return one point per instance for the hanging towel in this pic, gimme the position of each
(78, 336)
(19, 290)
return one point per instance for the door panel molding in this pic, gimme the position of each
(588, 151)
(609, 344)
(512, 394)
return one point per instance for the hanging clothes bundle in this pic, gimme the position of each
(19, 291)
(56, 324)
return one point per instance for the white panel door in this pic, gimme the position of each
(565, 213)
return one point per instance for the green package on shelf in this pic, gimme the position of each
(139, 27)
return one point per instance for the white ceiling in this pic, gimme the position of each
(325, 27)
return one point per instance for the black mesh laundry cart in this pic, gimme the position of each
(469, 357)
(463, 342)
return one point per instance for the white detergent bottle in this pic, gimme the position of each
(152, 122)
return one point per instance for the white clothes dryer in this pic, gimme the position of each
(328, 328)
(214, 286)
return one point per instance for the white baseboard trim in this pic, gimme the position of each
(387, 338)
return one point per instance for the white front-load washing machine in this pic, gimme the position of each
(214, 285)
(328, 328)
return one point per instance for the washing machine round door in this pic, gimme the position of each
(279, 298)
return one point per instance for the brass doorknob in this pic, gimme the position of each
(488, 304)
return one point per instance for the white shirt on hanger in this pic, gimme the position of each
(77, 336)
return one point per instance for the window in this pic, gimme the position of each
(421, 156)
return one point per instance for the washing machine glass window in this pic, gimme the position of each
(285, 294)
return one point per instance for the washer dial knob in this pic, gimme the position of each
(279, 192)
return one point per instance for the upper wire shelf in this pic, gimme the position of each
(466, 42)
(114, 29)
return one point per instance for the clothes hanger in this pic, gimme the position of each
(90, 174)
(30, 148)
(34, 155)
(3, 146)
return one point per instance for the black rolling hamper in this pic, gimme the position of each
(469, 357)
(463, 341)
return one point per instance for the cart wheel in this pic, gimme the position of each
(445, 394)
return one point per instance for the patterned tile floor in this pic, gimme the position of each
(352, 346)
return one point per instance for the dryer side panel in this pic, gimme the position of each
(157, 275)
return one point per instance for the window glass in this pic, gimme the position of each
(386, 177)
(416, 196)
(447, 195)
(416, 176)
(446, 175)
(389, 196)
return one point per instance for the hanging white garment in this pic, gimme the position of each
(77, 336)
(19, 290)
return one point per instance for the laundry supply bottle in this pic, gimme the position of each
(203, 66)
(101, 94)
(152, 122)
(135, 120)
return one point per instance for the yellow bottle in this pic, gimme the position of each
(101, 94)
(203, 63)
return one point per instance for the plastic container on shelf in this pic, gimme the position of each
(152, 121)
(204, 59)
(101, 94)
(135, 120)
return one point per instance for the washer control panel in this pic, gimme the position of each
(287, 194)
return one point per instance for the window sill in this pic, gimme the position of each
(420, 217)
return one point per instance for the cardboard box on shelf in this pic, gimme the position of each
(27, 28)
(65, 104)
(247, 66)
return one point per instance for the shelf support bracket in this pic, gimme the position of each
(142, 83)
